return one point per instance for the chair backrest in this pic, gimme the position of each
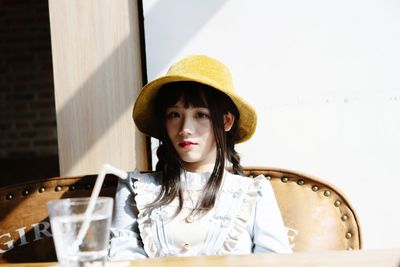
(317, 215)
(25, 234)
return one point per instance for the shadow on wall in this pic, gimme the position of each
(98, 84)
(103, 84)
(176, 33)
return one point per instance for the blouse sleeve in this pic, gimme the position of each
(125, 242)
(269, 231)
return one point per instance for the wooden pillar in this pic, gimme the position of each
(97, 75)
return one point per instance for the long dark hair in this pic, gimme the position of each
(196, 95)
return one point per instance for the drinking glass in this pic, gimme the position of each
(66, 219)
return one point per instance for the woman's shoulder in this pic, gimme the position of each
(139, 181)
(145, 187)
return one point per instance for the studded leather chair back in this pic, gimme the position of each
(317, 215)
(25, 234)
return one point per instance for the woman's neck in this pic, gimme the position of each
(198, 168)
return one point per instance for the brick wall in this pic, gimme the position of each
(27, 113)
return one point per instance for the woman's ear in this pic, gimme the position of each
(229, 119)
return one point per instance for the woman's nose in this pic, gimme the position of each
(186, 127)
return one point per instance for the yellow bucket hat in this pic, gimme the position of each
(195, 68)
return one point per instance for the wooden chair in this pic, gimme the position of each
(25, 234)
(317, 215)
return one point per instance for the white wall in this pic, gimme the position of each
(324, 79)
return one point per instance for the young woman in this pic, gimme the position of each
(197, 202)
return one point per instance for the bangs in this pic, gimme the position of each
(191, 93)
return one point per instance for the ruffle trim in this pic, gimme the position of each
(240, 222)
(146, 190)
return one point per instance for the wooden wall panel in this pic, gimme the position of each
(97, 75)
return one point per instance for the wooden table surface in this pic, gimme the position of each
(361, 258)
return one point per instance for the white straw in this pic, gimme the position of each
(106, 168)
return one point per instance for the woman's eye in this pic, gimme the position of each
(172, 115)
(202, 115)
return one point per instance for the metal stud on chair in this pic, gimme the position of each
(348, 235)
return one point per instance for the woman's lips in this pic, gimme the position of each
(186, 144)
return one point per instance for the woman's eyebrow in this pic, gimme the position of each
(174, 106)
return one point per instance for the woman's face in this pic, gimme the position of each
(191, 133)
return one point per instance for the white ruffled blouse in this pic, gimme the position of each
(245, 219)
